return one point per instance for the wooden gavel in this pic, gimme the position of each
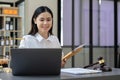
(100, 61)
(102, 66)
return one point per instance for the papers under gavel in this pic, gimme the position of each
(71, 53)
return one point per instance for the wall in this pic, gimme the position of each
(31, 5)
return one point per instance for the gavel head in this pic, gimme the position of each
(101, 61)
(100, 58)
(103, 67)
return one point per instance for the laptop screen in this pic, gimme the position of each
(28, 61)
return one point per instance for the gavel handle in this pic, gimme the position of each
(91, 65)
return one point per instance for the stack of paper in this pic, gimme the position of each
(79, 70)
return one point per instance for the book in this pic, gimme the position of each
(72, 53)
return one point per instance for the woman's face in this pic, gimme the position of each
(44, 22)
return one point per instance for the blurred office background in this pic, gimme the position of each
(94, 23)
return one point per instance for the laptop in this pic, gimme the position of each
(32, 61)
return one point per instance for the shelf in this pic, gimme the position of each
(14, 16)
(10, 32)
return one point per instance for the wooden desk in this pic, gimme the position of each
(114, 75)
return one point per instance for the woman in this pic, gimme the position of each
(40, 35)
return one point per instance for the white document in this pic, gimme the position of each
(79, 70)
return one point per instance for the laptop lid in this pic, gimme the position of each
(31, 61)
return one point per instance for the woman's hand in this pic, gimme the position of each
(63, 62)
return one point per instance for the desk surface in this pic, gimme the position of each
(114, 75)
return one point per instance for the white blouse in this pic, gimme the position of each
(37, 41)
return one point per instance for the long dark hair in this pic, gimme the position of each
(37, 12)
